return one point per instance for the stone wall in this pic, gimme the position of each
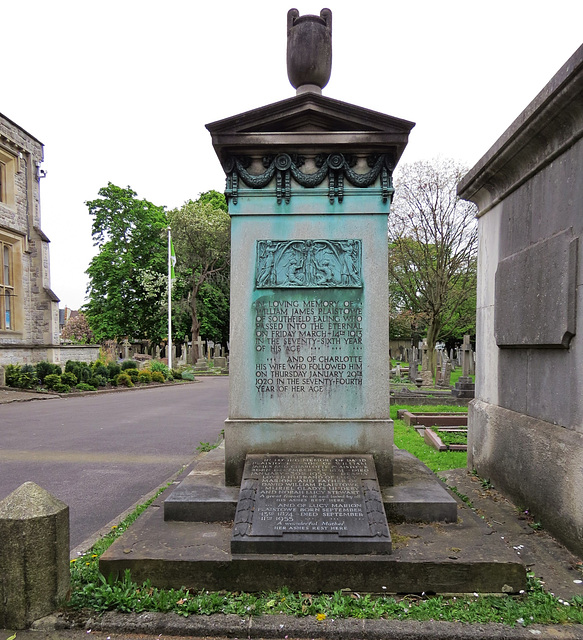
(526, 424)
(34, 306)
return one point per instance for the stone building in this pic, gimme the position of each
(29, 313)
(526, 422)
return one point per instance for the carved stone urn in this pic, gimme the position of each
(309, 50)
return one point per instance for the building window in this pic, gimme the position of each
(11, 307)
(7, 170)
(6, 287)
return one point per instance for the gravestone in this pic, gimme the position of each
(310, 504)
(201, 363)
(465, 387)
(426, 373)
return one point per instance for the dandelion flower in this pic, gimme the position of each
(321, 616)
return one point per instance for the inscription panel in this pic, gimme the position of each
(308, 345)
(310, 504)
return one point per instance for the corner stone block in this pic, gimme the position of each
(34, 555)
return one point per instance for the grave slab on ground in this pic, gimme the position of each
(455, 556)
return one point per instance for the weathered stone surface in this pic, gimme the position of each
(34, 555)
(536, 293)
(197, 555)
(310, 504)
(527, 431)
(309, 48)
(416, 495)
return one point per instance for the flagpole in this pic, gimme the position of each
(169, 299)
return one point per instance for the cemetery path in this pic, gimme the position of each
(101, 454)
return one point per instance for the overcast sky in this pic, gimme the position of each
(120, 90)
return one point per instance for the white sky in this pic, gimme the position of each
(120, 90)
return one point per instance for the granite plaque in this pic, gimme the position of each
(306, 504)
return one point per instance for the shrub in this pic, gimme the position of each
(27, 378)
(52, 379)
(44, 368)
(132, 373)
(81, 370)
(124, 380)
(83, 386)
(188, 375)
(158, 376)
(145, 377)
(98, 380)
(99, 369)
(156, 365)
(177, 375)
(113, 370)
(62, 388)
(129, 364)
(69, 378)
(11, 373)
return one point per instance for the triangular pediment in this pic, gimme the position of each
(309, 112)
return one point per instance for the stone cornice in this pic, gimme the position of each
(309, 122)
(551, 124)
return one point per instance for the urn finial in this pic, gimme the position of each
(309, 50)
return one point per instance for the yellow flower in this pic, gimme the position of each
(321, 616)
(73, 560)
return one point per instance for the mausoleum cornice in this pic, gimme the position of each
(550, 124)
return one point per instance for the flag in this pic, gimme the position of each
(172, 260)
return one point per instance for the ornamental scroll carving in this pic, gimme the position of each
(336, 167)
(295, 264)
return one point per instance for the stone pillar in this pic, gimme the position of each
(34, 555)
(2, 377)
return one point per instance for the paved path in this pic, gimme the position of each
(101, 453)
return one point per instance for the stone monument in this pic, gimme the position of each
(307, 474)
(309, 208)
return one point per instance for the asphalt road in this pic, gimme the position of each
(101, 453)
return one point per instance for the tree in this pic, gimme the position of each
(131, 237)
(77, 330)
(432, 247)
(201, 233)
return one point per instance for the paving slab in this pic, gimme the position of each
(550, 561)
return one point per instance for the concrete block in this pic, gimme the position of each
(34, 555)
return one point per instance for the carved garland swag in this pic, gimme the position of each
(335, 166)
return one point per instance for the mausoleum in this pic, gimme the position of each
(526, 422)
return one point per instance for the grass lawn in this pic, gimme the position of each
(407, 438)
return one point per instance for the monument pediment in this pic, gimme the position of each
(309, 120)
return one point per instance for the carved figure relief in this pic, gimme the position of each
(308, 263)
